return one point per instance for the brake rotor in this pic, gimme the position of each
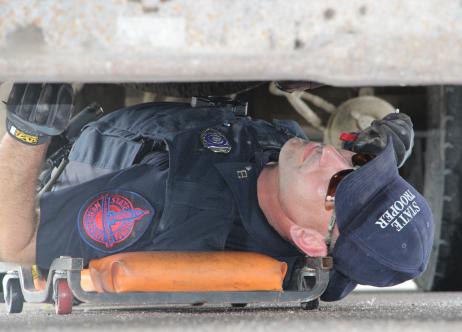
(355, 115)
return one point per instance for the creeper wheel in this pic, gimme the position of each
(14, 299)
(310, 305)
(63, 297)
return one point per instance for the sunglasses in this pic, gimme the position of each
(357, 160)
(329, 203)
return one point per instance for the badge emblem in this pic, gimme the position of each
(215, 141)
(112, 221)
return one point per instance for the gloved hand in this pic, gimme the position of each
(35, 112)
(374, 139)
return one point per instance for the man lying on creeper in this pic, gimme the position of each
(170, 177)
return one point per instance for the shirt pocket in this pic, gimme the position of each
(105, 151)
(95, 154)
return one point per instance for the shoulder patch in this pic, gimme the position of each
(114, 220)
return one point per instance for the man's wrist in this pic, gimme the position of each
(12, 142)
(25, 137)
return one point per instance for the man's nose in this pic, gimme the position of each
(331, 157)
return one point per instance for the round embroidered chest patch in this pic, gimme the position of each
(114, 220)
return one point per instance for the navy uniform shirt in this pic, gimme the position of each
(188, 198)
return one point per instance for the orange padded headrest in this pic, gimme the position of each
(184, 272)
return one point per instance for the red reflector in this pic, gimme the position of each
(348, 137)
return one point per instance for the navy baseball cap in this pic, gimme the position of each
(386, 229)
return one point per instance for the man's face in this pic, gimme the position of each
(305, 169)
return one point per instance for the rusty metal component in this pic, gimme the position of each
(323, 263)
(336, 42)
(291, 86)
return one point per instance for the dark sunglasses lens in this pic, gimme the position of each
(335, 180)
(360, 159)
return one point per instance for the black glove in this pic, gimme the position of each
(374, 139)
(38, 111)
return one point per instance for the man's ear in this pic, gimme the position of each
(308, 240)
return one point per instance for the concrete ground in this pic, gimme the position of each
(361, 311)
